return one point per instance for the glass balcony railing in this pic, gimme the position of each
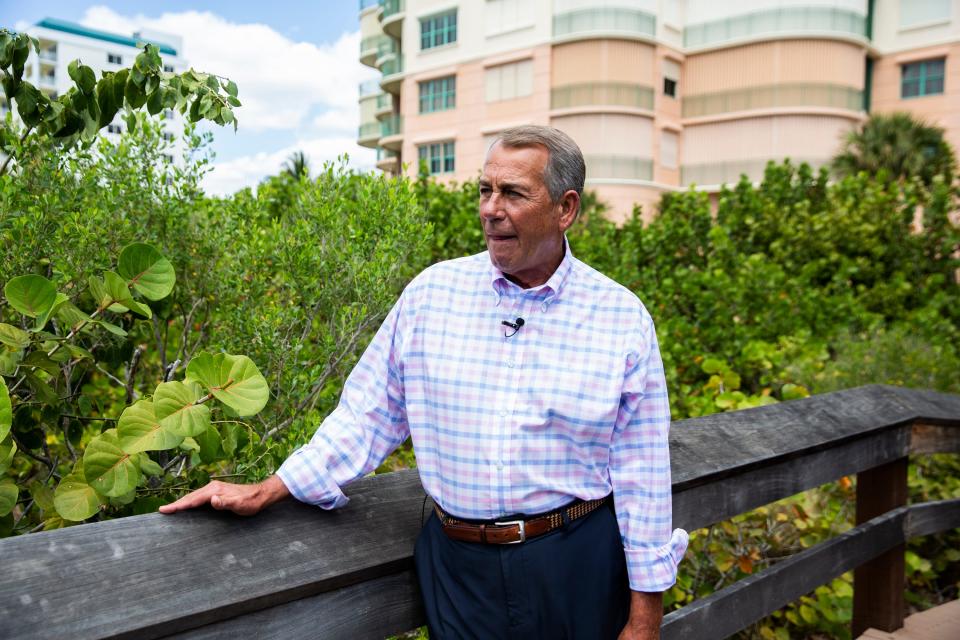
(49, 55)
(773, 96)
(386, 154)
(618, 167)
(605, 19)
(366, 4)
(384, 101)
(385, 44)
(391, 7)
(369, 130)
(730, 172)
(48, 81)
(602, 94)
(369, 88)
(391, 126)
(370, 43)
(784, 19)
(392, 67)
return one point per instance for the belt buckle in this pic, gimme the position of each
(520, 524)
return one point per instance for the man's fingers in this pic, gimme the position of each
(191, 500)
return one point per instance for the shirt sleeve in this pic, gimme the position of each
(640, 467)
(367, 425)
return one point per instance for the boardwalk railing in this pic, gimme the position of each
(298, 572)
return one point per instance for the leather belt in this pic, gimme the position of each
(514, 531)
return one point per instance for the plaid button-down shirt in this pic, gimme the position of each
(573, 405)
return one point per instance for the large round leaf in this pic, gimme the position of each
(147, 270)
(175, 408)
(6, 410)
(75, 499)
(139, 429)
(8, 448)
(8, 496)
(108, 468)
(31, 295)
(233, 380)
(13, 337)
(119, 292)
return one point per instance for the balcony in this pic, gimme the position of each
(384, 106)
(48, 55)
(387, 49)
(48, 81)
(388, 160)
(814, 20)
(730, 172)
(368, 50)
(613, 167)
(774, 96)
(369, 134)
(619, 21)
(392, 75)
(369, 89)
(391, 132)
(607, 94)
(368, 4)
(391, 18)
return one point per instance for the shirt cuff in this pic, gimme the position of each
(310, 485)
(654, 569)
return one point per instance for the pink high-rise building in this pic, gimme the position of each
(659, 94)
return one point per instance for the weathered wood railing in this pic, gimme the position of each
(297, 572)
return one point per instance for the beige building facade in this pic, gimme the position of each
(659, 94)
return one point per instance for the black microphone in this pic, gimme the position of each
(513, 325)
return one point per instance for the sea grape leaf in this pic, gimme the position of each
(174, 403)
(233, 380)
(139, 429)
(108, 468)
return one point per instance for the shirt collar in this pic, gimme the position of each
(549, 291)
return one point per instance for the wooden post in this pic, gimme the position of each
(878, 585)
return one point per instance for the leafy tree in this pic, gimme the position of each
(297, 166)
(899, 144)
(91, 104)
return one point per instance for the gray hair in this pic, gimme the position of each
(565, 168)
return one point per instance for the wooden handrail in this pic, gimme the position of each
(297, 571)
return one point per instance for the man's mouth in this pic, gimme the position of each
(500, 237)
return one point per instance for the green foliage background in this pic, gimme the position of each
(795, 286)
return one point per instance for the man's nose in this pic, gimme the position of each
(490, 207)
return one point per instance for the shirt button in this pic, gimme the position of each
(510, 363)
(503, 413)
(543, 307)
(500, 464)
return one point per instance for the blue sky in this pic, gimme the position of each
(295, 62)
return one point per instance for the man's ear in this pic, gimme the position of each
(569, 209)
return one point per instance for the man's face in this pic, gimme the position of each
(522, 227)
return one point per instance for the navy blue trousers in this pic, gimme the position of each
(569, 583)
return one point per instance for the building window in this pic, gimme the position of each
(168, 158)
(924, 78)
(919, 13)
(168, 68)
(168, 114)
(438, 95)
(167, 136)
(114, 58)
(114, 128)
(504, 16)
(668, 149)
(438, 30)
(439, 157)
(509, 81)
(671, 77)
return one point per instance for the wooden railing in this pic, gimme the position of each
(298, 572)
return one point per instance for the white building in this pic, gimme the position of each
(62, 42)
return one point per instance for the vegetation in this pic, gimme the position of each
(901, 146)
(792, 287)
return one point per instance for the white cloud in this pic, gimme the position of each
(296, 90)
(281, 81)
(246, 171)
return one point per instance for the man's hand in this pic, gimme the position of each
(242, 499)
(646, 613)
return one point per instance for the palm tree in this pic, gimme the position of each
(297, 166)
(899, 143)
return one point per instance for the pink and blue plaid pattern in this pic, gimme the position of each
(574, 405)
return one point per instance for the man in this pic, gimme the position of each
(532, 387)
